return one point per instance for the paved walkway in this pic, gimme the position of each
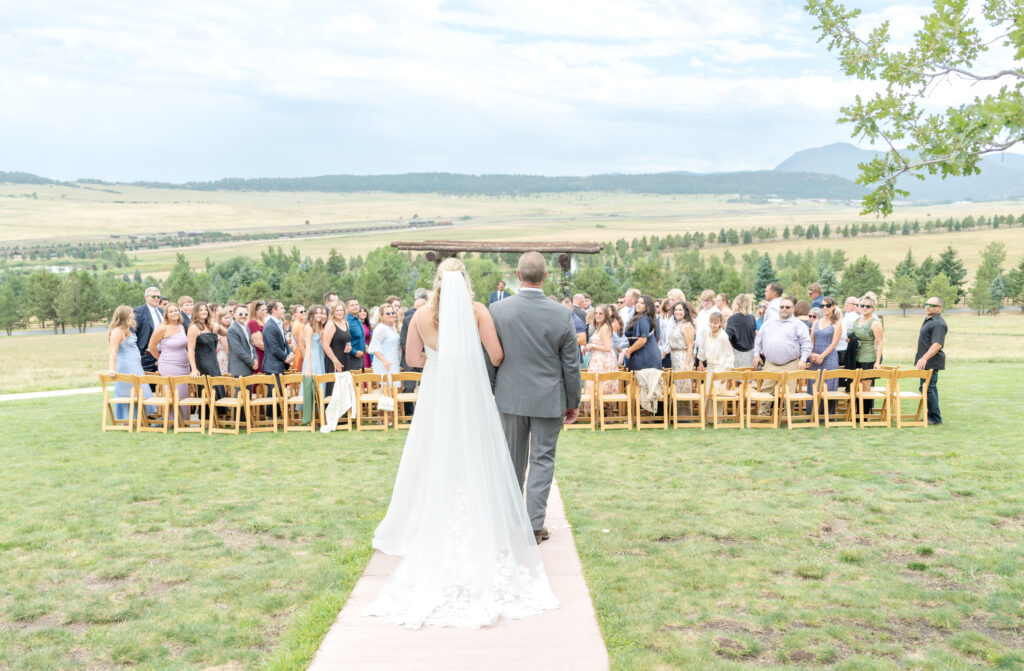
(49, 394)
(565, 639)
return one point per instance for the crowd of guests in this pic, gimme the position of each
(637, 332)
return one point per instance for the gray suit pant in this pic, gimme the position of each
(532, 440)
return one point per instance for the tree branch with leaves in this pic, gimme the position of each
(946, 48)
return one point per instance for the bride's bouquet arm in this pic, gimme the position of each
(488, 334)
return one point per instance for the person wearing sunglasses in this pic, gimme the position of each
(868, 330)
(930, 355)
(384, 344)
(826, 334)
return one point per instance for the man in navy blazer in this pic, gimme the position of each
(147, 317)
(499, 294)
(276, 354)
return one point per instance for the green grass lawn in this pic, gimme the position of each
(846, 549)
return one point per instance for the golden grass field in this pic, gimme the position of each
(75, 360)
(92, 212)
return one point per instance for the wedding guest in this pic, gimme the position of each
(715, 353)
(164, 302)
(814, 293)
(868, 330)
(619, 340)
(170, 345)
(313, 342)
(298, 313)
(186, 305)
(741, 328)
(257, 319)
(681, 340)
(124, 356)
(825, 336)
(722, 304)
(355, 328)
(368, 324)
(337, 342)
(706, 308)
(782, 344)
(761, 307)
(930, 355)
(224, 322)
(642, 332)
(601, 350)
(147, 318)
(802, 311)
(385, 343)
(628, 304)
(666, 320)
(499, 293)
(277, 355)
(242, 352)
(773, 298)
(202, 343)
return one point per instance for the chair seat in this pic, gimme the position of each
(839, 395)
(157, 400)
(729, 394)
(614, 397)
(911, 394)
(407, 398)
(873, 395)
(228, 402)
(760, 396)
(368, 398)
(798, 396)
(122, 399)
(295, 399)
(192, 400)
(686, 396)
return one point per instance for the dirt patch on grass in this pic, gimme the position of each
(238, 539)
(670, 539)
(629, 553)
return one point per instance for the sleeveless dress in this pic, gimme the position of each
(866, 340)
(679, 346)
(602, 362)
(648, 356)
(222, 355)
(129, 362)
(314, 361)
(254, 328)
(385, 342)
(822, 339)
(206, 353)
(174, 357)
(457, 516)
(337, 345)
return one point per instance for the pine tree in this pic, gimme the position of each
(765, 276)
(940, 287)
(950, 265)
(902, 291)
(862, 276)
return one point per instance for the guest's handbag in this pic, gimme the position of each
(387, 403)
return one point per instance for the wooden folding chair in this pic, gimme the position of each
(162, 398)
(691, 395)
(899, 395)
(370, 388)
(754, 395)
(652, 420)
(262, 401)
(726, 388)
(108, 415)
(291, 404)
(843, 402)
(324, 400)
(402, 420)
(197, 397)
(621, 400)
(588, 413)
(881, 395)
(794, 393)
(230, 404)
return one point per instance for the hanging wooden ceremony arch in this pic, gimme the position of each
(438, 250)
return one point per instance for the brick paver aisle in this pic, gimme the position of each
(565, 638)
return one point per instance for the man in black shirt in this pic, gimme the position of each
(930, 355)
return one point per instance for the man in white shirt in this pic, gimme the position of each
(631, 297)
(850, 315)
(772, 294)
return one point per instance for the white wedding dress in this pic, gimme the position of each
(457, 516)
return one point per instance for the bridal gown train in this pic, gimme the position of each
(457, 516)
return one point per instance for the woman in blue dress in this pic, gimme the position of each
(312, 335)
(825, 332)
(642, 333)
(125, 357)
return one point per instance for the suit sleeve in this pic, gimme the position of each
(237, 343)
(275, 343)
(569, 353)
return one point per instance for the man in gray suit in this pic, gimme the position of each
(537, 386)
(242, 359)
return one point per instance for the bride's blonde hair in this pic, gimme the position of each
(449, 264)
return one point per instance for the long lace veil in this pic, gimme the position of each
(473, 556)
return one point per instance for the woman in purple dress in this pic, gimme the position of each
(169, 345)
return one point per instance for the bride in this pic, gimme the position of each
(457, 516)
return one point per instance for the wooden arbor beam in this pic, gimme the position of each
(438, 250)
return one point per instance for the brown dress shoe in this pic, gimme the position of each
(542, 535)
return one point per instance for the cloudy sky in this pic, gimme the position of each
(203, 89)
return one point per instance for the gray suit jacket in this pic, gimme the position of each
(540, 375)
(240, 352)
